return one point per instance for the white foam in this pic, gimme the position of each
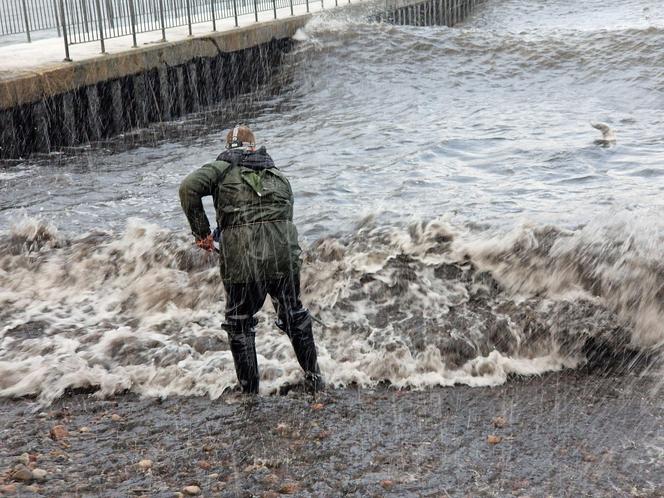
(142, 311)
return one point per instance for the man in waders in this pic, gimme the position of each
(259, 251)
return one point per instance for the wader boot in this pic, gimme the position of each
(299, 330)
(242, 341)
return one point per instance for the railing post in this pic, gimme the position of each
(25, 18)
(214, 20)
(132, 18)
(307, 5)
(109, 13)
(55, 11)
(291, 8)
(84, 9)
(235, 11)
(100, 23)
(187, 3)
(64, 29)
(256, 10)
(274, 7)
(161, 19)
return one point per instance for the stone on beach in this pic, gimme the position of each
(499, 422)
(59, 432)
(20, 473)
(282, 429)
(145, 464)
(271, 480)
(191, 490)
(39, 474)
(289, 488)
(116, 418)
(493, 439)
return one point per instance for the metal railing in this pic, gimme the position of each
(28, 16)
(83, 21)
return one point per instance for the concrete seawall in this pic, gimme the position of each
(69, 103)
(428, 12)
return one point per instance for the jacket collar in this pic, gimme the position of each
(256, 160)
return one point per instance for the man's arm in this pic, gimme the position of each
(193, 188)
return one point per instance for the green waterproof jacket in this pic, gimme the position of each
(254, 206)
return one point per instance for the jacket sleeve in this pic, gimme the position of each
(193, 188)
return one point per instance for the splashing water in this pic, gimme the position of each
(426, 306)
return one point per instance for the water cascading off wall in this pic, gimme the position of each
(166, 91)
(109, 108)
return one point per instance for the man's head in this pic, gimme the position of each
(240, 136)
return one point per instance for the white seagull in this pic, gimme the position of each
(608, 137)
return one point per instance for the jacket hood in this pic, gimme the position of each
(256, 160)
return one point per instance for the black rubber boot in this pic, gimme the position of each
(243, 348)
(302, 339)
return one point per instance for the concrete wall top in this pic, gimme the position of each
(19, 88)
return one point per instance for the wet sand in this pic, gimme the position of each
(563, 434)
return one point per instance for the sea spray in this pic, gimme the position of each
(417, 306)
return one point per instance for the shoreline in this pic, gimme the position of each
(562, 434)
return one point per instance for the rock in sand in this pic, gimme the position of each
(282, 429)
(493, 439)
(59, 432)
(289, 488)
(39, 474)
(191, 490)
(21, 473)
(499, 422)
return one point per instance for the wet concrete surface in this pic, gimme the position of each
(562, 434)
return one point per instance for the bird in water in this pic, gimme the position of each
(608, 137)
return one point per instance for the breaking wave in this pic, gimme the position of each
(417, 306)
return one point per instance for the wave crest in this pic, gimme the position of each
(430, 304)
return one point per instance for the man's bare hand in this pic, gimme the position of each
(207, 243)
